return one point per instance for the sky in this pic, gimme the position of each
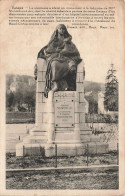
(98, 48)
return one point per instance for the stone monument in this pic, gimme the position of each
(60, 103)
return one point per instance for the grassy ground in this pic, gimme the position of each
(28, 117)
(38, 161)
(19, 117)
(94, 178)
(85, 178)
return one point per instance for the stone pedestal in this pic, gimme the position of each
(60, 119)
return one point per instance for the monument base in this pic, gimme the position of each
(36, 143)
(69, 149)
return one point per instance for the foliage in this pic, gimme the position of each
(24, 92)
(9, 98)
(111, 90)
(101, 118)
(91, 95)
(93, 105)
(9, 80)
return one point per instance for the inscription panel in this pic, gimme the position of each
(64, 113)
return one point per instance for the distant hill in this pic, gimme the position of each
(93, 86)
(21, 90)
(12, 80)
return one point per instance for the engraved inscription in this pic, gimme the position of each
(64, 113)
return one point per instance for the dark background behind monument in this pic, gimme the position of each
(20, 90)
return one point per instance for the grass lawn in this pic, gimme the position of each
(19, 117)
(94, 178)
(13, 162)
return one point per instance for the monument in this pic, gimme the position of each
(60, 103)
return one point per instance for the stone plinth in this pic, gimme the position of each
(60, 120)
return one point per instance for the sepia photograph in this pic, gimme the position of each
(62, 97)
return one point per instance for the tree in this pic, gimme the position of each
(29, 97)
(24, 92)
(9, 98)
(111, 90)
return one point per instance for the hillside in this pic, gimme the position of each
(20, 90)
(93, 86)
(12, 80)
